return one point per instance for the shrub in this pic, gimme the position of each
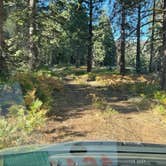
(46, 86)
(110, 111)
(98, 102)
(160, 109)
(21, 121)
(160, 96)
(79, 72)
(7, 130)
(145, 88)
(91, 77)
(42, 83)
(103, 106)
(17, 127)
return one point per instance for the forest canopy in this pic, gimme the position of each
(118, 34)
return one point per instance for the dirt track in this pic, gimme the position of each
(74, 118)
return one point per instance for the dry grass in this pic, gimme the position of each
(109, 107)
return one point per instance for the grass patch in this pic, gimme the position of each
(160, 96)
(64, 71)
(98, 102)
(160, 109)
(91, 77)
(160, 103)
(102, 105)
(110, 111)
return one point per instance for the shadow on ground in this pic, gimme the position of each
(64, 133)
(71, 102)
(76, 98)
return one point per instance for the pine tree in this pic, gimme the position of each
(104, 44)
(78, 32)
(94, 7)
(138, 59)
(33, 50)
(163, 75)
(90, 37)
(2, 42)
(152, 37)
(123, 38)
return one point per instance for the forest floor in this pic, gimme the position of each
(104, 107)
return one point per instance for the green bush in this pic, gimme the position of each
(17, 127)
(91, 77)
(110, 111)
(79, 72)
(102, 105)
(160, 96)
(145, 88)
(160, 109)
(43, 84)
(20, 123)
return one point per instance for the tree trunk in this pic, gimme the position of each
(2, 43)
(33, 50)
(123, 40)
(77, 60)
(163, 74)
(90, 38)
(152, 37)
(138, 60)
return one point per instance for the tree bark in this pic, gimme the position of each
(33, 50)
(123, 40)
(152, 38)
(138, 60)
(2, 43)
(163, 74)
(90, 38)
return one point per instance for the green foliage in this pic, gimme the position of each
(41, 84)
(160, 109)
(79, 72)
(110, 111)
(77, 30)
(160, 96)
(138, 88)
(63, 35)
(146, 88)
(91, 77)
(153, 98)
(18, 126)
(104, 44)
(7, 130)
(160, 105)
(101, 104)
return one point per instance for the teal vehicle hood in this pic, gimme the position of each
(85, 153)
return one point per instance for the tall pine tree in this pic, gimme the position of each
(2, 41)
(104, 44)
(163, 74)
